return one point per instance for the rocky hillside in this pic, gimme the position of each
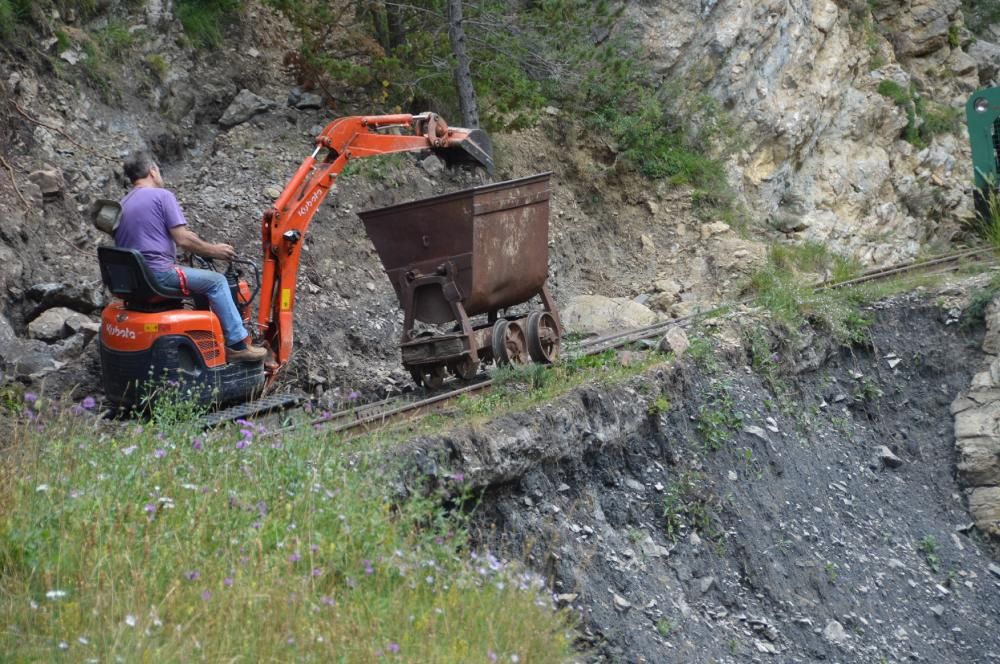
(817, 149)
(712, 512)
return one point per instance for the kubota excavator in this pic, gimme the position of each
(150, 337)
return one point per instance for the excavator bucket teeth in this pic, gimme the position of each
(476, 148)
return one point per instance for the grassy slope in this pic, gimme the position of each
(158, 543)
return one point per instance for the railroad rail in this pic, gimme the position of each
(361, 418)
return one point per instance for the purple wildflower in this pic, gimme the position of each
(294, 558)
(228, 581)
(242, 443)
(329, 601)
(159, 453)
(192, 575)
(196, 443)
(354, 395)
(150, 509)
(30, 397)
(206, 595)
(90, 403)
(317, 571)
(458, 478)
(393, 647)
(368, 567)
(314, 548)
(492, 656)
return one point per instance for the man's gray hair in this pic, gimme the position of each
(138, 165)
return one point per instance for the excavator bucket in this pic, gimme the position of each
(475, 148)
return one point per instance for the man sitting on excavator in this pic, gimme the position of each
(152, 223)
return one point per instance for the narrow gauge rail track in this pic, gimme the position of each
(361, 418)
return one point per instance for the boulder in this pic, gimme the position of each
(987, 57)
(28, 359)
(85, 296)
(309, 101)
(49, 181)
(675, 341)
(243, 107)
(984, 504)
(590, 314)
(56, 324)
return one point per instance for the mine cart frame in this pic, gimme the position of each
(453, 257)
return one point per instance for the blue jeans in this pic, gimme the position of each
(215, 287)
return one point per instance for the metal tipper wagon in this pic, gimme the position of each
(473, 253)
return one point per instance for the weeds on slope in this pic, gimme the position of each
(157, 542)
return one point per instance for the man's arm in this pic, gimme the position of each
(188, 240)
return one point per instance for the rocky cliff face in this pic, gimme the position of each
(825, 157)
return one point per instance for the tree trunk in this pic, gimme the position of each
(463, 73)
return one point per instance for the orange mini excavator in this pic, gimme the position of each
(151, 335)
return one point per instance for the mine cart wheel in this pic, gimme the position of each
(515, 345)
(466, 368)
(499, 352)
(543, 337)
(431, 377)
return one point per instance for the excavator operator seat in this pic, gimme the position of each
(126, 275)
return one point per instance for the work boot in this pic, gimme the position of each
(248, 354)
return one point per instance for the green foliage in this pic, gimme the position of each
(521, 387)
(664, 627)
(7, 19)
(974, 313)
(158, 65)
(780, 287)
(688, 504)
(928, 547)
(203, 19)
(115, 39)
(867, 390)
(953, 35)
(717, 419)
(924, 119)
(659, 406)
(568, 53)
(980, 15)
(157, 542)
(988, 227)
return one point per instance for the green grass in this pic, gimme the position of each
(155, 542)
(988, 228)
(783, 288)
(12, 12)
(203, 19)
(517, 388)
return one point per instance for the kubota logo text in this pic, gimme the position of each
(308, 204)
(115, 331)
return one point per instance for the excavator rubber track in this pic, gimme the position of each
(263, 406)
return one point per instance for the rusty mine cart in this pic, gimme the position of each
(471, 253)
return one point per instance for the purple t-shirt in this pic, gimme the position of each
(148, 214)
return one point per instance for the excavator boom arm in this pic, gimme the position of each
(284, 225)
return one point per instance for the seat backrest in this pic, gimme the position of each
(126, 275)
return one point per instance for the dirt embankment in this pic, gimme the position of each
(803, 513)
